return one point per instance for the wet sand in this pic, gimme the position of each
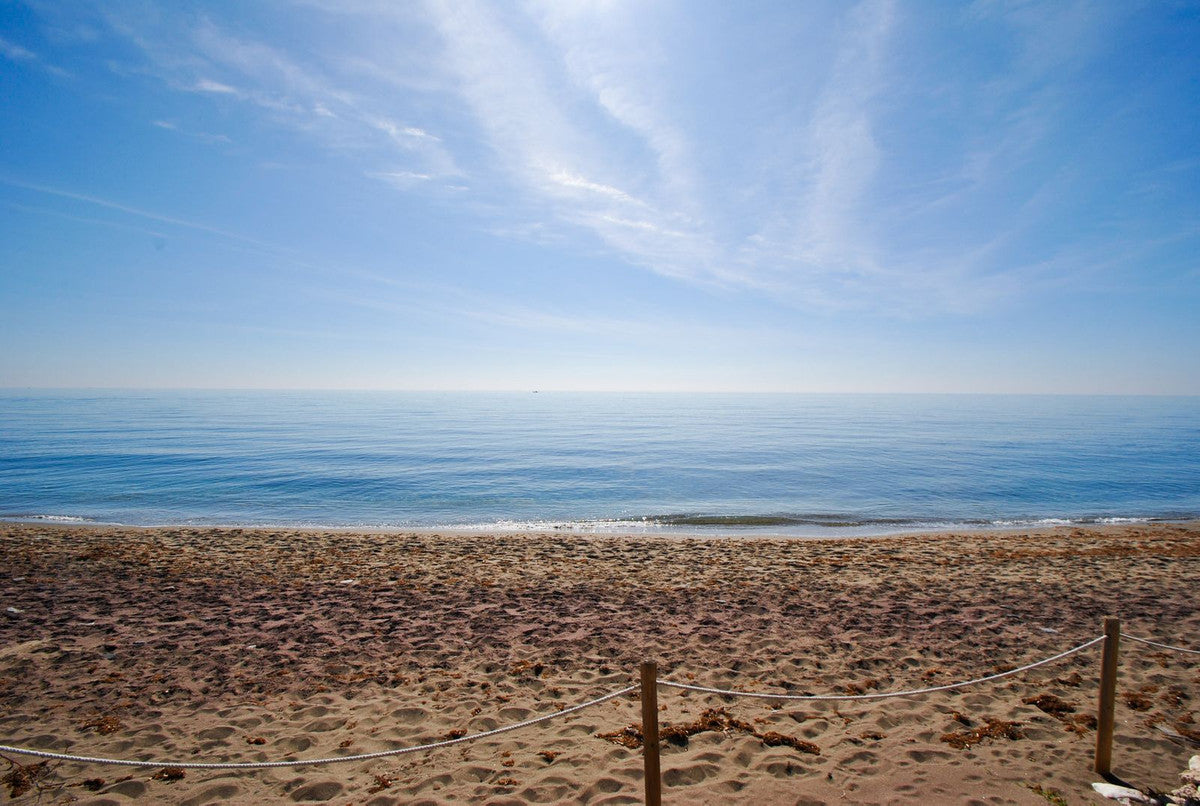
(246, 645)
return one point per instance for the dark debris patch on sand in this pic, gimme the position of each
(718, 720)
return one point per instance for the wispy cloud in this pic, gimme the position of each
(623, 169)
(843, 146)
(401, 179)
(29, 208)
(134, 211)
(235, 240)
(569, 181)
(584, 124)
(208, 85)
(573, 105)
(615, 53)
(205, 59)
(16, 53)
(611, 169)
(204, 137)
(506, 317)
(20, 54)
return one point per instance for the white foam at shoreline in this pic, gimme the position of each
(54, 518)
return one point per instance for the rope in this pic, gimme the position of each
(1162, 646)
(254, 765)
(884, 695)
(257, 765)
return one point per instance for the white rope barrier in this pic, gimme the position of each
(1161, 646)
(884, 695)
(255, 765)
(258, 765)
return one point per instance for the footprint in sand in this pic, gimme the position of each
(317, 791)
(213, 794)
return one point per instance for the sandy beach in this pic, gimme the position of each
(247, 645)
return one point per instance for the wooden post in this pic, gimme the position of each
(649, 695)
(1105, 718)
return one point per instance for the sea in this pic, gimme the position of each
(738, 464)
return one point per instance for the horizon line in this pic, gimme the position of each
(592, 391)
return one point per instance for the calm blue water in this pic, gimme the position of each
(797, 464)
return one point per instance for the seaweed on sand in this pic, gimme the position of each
(1050, 704)
(713, 719)
(994, 729)
(21, 778)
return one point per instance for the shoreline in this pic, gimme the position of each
(201, 641)
(715, 532)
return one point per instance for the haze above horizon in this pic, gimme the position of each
(880, 197)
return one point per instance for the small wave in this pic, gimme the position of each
(587, 525)
(824, 523)
(839, 521)
(785, 524)
(49, 518)
(1088, 520)
(827, 521)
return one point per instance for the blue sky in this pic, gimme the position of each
(888, 196)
